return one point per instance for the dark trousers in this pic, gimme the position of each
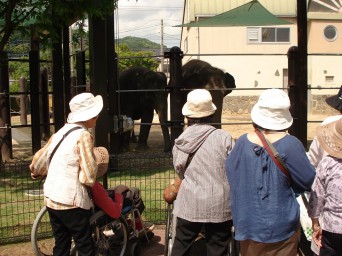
(217, 237)
(68, 224)
(331, 244)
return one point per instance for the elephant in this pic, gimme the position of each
(142, 104)
(198, 74)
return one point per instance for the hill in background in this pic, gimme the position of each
(139, 44)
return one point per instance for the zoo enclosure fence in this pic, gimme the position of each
(21, 198)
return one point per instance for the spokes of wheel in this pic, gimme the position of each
(109, 235)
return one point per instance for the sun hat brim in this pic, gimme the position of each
(187, 112)
(329, 138)
(89, 113)
(271, 119)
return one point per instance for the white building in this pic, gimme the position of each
(256, 55)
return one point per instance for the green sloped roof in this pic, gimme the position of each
(249, 14)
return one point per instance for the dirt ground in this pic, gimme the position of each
(155, 247)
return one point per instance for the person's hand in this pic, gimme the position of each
(34, 176)
(317, 236)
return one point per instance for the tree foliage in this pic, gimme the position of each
(45, 15)
(128, 58)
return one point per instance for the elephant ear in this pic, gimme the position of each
(229, 82)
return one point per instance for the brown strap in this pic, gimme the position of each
(274, 155)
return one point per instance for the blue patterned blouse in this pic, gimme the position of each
(264, 206)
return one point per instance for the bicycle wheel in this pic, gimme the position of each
(168, 231)
(41, 234)
(110, 235)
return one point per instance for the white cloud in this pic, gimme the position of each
(142, 18)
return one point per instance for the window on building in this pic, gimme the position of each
(268, 35)
(329, 79)
(330, 33)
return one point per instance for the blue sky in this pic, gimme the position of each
(142, 18)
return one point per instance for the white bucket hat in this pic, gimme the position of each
(272, 111)
(84, 106)
(199, 104)
(330, 138)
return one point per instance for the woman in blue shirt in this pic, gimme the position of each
(263, 202)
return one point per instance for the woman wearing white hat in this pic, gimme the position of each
(326, 196)
(69, 164)
(199, 157)
(263, 199)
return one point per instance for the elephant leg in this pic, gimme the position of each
(145, 127)
(133, 137)
(125, 138)
(218, 101)
(165, 130)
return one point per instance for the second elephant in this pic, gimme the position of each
(147, 94)
(198, 74)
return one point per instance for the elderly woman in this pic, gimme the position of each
(199, 156)
(263, 199)
(325, 199)
(69, 164)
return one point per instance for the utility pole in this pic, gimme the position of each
(162, 47)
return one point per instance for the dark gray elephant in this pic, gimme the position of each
(198, 74)
(142, 104)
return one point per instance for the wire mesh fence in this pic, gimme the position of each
(21, 198)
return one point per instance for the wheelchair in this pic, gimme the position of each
(111, 236)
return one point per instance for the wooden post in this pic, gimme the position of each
(80, 72)
(34, 96)
(292, 56)
(23, 101)
(45, 108)
(5, 115)
(302, 71)
(58, 81)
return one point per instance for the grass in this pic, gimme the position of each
(18, 210)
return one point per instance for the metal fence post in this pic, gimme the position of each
(175, 85)
(5, 116)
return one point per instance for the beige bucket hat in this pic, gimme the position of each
(102, 160)
(199, 104)
(84, 106)
(272, 111)
(330, 138)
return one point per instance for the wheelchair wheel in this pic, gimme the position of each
(168, 231)
(41, 234)
(110, 235)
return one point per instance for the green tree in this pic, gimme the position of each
(128, 58)
(44, 15)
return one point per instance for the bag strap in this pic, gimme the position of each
(274, 155)
(59, 143)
